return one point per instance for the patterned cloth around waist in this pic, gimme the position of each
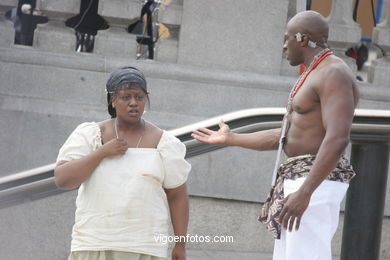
(294, 168)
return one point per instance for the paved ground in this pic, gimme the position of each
(224, 255)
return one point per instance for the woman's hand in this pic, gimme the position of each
(220, 137)
(178, 252)
(114, 147)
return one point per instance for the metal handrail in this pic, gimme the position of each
(368, 124)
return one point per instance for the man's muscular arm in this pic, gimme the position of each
(261, 141)
(337, 109)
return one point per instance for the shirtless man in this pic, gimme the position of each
(312, 182)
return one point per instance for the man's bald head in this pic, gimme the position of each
(313, 24)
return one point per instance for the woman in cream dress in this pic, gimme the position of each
(130, 175)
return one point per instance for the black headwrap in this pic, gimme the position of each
(124, 76)
(120, 77)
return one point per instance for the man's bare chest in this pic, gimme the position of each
(306, 99)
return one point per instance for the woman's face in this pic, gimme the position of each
(129, 103)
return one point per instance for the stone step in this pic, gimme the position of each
(379, 71)
(130, 10)
(116, 42)
(166, 50)
(120, 10)
(59, 6)
(54, 36)
(225, 255)
(171, 13)
(234, 255)
(7, 32)
(8, 4)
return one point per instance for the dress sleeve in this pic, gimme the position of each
(85, 139)
(176, 168)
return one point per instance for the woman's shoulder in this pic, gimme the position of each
(87, 132)
(167, 140)
(104, 125)
(153, 128)
(88, 128)
(154, 133)
(107, 130)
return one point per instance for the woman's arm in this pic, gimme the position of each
(178, 206)
(70, 174)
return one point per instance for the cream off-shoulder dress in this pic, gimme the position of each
(122, 206)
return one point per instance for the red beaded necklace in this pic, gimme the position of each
(317, 60)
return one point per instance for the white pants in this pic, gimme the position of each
(318, 224)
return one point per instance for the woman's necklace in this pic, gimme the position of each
(142, 134)
(298, 84)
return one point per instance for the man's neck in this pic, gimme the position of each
(309, 57)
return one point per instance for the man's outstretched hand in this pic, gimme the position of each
(208, 136)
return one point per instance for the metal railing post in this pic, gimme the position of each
(365, 201)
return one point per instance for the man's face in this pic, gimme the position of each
(291, 46)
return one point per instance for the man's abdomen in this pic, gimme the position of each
(303, 141)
